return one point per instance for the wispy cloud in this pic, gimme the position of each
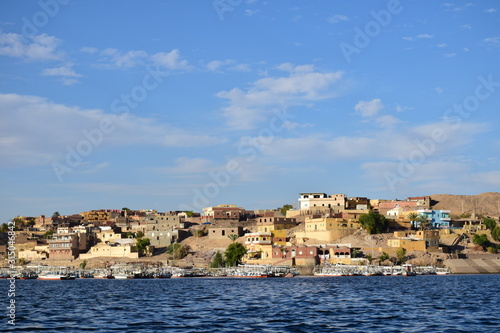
(449, 55)
(490, 10)
(37, 48)
(337, 18)
(31, 129)
(455, 8)
(421, 36)
(492, 41)
(170, 60)
(402, 108)
(369, 108)
(66, 73)
(247, 107)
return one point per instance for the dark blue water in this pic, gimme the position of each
(454, 303)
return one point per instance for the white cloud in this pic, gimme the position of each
(387, 121)
(402, 108)
(490, 10)
(449, 55)
(453, 7)
(252, 105)
(38, 48)
(442, 45)
(490, 178)
(241, 68)
(170, 60)
(390, 143)
(31, 129)
(439, 90)
(337, 18)
(66, 73)
(424, 36)
(369, 108)
(188, 165)
(492, 41)
(88, 49)
(123, 60)
(251, 12)
(466, 26)
(96, 168)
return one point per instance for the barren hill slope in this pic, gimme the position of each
(485, 203)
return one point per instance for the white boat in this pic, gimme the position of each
(442, 271)
(123, 276)
(55, 276)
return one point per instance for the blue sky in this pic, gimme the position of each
(184, 104)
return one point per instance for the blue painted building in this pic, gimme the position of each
(437, 218)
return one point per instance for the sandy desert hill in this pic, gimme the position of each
(485, 203)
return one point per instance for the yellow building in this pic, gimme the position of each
(327, 229)
(422, 240)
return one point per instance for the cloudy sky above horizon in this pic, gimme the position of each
(180, 105)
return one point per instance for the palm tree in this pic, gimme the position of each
(233, 237)
(423, 223)
(412, 217)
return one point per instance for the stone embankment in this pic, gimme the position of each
(485, 265)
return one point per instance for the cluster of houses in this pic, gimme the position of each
(304, 235)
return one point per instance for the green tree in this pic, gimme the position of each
(83, 264)
(48, 234)
(233, 237)
(4, 227)
(177, 250)
(139, 234)
(369, 258)
(412, 217)
(189, 213)
(141, 244)
(481, 240)
(401, 255)
(383, 257)
(285, 208)
(125, 208)
(31, 223)
(489, 223)
(56, 214)
(218, 261)
(373, 223)
(423, 224)
(495, 233)
(19, 223)
(234, 253)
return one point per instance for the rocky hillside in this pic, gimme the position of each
(485, 203)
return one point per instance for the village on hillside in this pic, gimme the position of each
(319, 230)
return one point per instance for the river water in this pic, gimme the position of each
(453, 303)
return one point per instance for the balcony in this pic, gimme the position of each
(260, 242)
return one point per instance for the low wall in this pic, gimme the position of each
(474, 266)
